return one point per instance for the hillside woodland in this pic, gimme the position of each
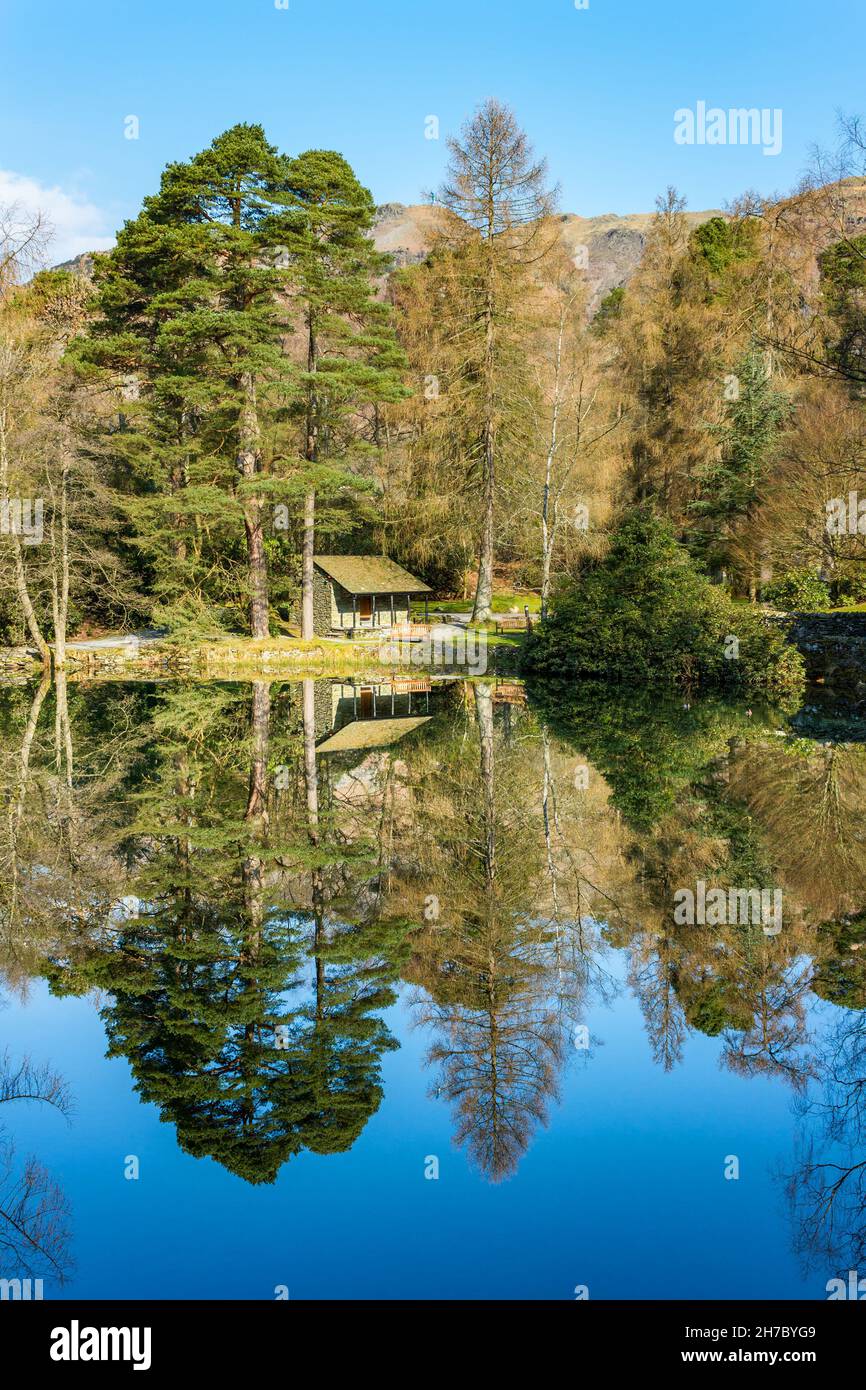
(483, 388)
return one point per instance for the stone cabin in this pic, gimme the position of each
(359, 593)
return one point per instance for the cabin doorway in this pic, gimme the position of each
(365, 608)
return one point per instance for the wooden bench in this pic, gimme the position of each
(509, 693)
(412, 687)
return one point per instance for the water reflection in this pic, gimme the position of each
(246, 874)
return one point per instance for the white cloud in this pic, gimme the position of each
(77, 225)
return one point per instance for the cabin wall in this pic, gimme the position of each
(322, 623)
(341, 610)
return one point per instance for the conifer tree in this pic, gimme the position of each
(730, 484)
(351, 362)
(497, 192)
(192, 318)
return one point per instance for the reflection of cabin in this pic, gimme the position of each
(365, 715)
(354, 593)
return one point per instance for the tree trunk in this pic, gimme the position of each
(60, 569)
(547, 532)
(21, 589)
(484, 716)
(256, 817)
(546, 562)
(317, 878)
(311, 453)
(249, 464)
(309, 550)
(260, 727)
(311, 778)
(546, 800)
(63, 727)
(16, 806)
(178, 480)
(483, 606)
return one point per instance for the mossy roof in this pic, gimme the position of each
(370, 733)
(370, 574)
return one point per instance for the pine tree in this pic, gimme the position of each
(730, 484)
(352, 364)
(192, 319)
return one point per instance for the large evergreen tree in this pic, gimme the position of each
(351, 362)
(193, 315)
(730, 483)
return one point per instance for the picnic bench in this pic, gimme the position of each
(514, 622)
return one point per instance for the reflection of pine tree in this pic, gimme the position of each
(344, 1037)
(198, 999)
(211, 1002)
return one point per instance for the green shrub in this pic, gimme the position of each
(645, 615)
(849, 584)
(797, 591)
(609, 310)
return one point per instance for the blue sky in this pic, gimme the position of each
(596, 89)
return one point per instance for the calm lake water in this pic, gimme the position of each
(371, 991)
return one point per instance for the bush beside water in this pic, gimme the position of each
(645, 615)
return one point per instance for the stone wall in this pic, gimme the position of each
(18, 661)
(833, 647)
(321, 604)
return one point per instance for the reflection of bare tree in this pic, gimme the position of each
(34, 1213)
(579, 947)
(776, 1042)
(18, 799)
(809, 800)
(827, 1191)
(59, 873)
(498, 1039)
(498, 1057)
(654, 975)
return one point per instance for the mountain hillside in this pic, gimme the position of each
(614, 244)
